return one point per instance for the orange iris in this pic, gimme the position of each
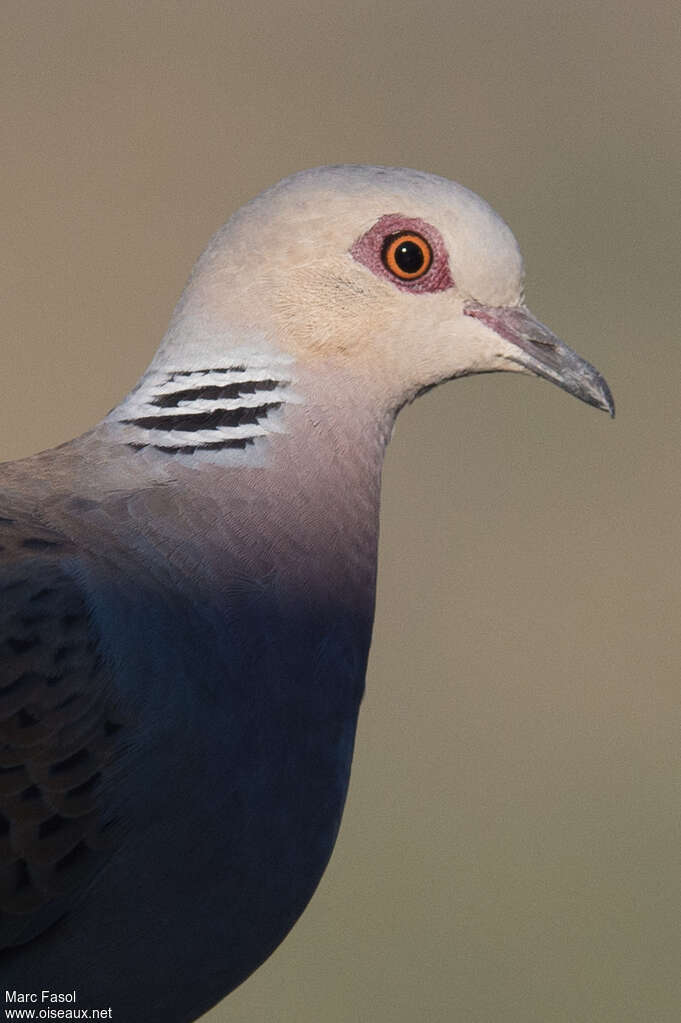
(407, 255)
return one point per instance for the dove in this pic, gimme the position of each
(188, 588)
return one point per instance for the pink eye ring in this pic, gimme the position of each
(407, 251)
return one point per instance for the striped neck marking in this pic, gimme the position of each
(189, 411)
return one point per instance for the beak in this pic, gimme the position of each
(542, 353)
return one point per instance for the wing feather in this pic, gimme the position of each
(58, 732)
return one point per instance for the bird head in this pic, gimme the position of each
(398, 278)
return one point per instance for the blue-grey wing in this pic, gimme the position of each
(59, 732)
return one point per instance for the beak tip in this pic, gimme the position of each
(607, 402)
(540, 352)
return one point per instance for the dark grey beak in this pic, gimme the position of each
(542, 353)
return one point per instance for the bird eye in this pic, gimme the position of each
(407, 255)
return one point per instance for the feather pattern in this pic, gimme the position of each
(58, 729)
(212, 410)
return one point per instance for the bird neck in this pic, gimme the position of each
(283, 461)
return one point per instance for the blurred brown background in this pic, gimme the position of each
(511, 846)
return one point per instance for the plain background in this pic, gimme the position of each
(511, 845)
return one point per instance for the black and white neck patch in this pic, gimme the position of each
(205, 411)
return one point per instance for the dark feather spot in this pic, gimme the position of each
(37, 543)
(28, 620)
(204, 372)
(20, 646)
(68, 701)
(214, 392)
(50, 827)
(25, 719)
(14, 585)
(63, 651)
(240, 443)
(83, 504)
(87, 786)
(189, 422)
(77, 758)
(73, 857)
(23, 878)
(17, 683)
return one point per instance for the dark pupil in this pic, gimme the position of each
(409, 257)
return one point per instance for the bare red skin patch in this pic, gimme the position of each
(368, 250)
